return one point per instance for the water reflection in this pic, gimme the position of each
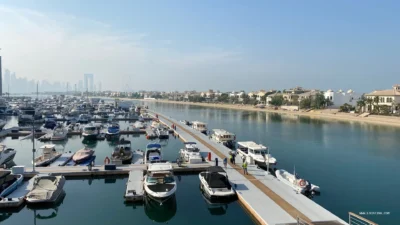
(46, 211)
(160, 213)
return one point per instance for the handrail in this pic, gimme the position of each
(359, 219)
(300, 221)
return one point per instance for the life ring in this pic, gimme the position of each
(302, 182)
(106, 161)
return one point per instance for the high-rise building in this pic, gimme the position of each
(80, 85)
(88, 82)
(7, 80)
(99, 87)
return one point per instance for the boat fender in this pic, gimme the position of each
(107, 160)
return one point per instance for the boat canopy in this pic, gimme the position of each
(48, 146)
(190, 143)
(251, 145)
(160, 167)
(216, 169)
(154, 145)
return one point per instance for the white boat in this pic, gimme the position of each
(298, 184)
(159, 182)
(46, 188)
(90, 131)
(83, 118)
(259, 153)
(9, 182)
(6, 154)
(224, 137)
(156, 124)
(200, 126)
(162, 133)
(49, 155)
(215, 184)
(82, 155)
(59, 133)
(139, 125)
(152, 153)
(2, 123)
(191, 153)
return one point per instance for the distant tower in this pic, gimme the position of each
(88, 82)
(1, 79)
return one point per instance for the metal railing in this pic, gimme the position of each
(300, 221)
(355, 219)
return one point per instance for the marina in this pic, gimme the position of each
(198, 153)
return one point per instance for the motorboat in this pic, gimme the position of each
(191, 153)
(49, 155)
(159, 182)
(156, 124)
(46, 188)
(153, 153)
(90, 131)
(224, 137)
(162, 133)
(113, 130)
(82, 155)
(298, 184)
(50, 124)
(6, 154)
(2, 124)
(215, 184)
(83, 118)
(9, 182)
(123, 152)
(59, 133)
(200, 126)
(186, 122)
(259, 153)
(139, 125)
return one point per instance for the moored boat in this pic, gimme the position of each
(298, 184)
(82, 155)
(46, 188)
(49, 155)
(9, 182)
(159, 182)
(90, 132)
(6, 154)
(200, 126)
(191, 153)
(224, 137)
(152, 153)
(259, 153)
(215, 184)
(123, 152)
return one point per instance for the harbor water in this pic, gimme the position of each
(355, 164)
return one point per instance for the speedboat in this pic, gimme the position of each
(159, 182)
(224, 137)
(258, 152)
(152, 153)
(298, 184)
(46, 188)
(191, 153)
(49, 155)
(82, 155)
(2, 123)
(90, 131)
(185, 122)
(200, 126)
(6, 154)
(9, 182)
(215, 184)
(59, 133)
(83, 118)
(162, 133)
(123, 152)
(113, 130)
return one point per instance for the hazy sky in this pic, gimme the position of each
(226, 45)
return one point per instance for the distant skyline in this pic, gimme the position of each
(221, 45)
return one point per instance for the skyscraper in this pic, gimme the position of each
(99, 87)
(7, 79)
(80, 85)
(88, 82)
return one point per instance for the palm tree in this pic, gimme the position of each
(369, 101)
(360, 104)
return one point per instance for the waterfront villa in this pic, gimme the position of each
(260, 94)
(340, 98)
(389, 97)
(309, 94)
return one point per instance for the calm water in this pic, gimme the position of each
(356, 165)
(100, 201)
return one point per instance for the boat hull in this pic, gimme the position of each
(13, 186)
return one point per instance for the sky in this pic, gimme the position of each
(200, 45)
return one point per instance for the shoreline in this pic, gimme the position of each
(371, 119)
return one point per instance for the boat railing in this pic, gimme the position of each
(355, 219)
(300, 221)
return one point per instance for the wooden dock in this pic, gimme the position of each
(263, 195)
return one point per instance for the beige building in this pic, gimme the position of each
(390, 97)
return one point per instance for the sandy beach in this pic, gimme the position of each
(322, 114)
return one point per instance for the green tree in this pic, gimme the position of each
(318, 102)
(360, 104)
(264, 98)
(246, 98)
(305, 103)
(277, 100)
(224, 97)
(369, 101)
(384, 110)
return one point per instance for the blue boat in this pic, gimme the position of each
(9, 182)
(153, 153)
(113, 130)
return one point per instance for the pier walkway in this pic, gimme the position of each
(267, 199)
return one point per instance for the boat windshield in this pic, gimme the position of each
(160, 179)
(90, 128)
(193, 149)
(259, 152)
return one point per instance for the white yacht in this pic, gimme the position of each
(200, 126)
(59, 133)
(49, 155)
(224, 137)
(152, 153)
(215, 184)
(159, 182)
(191, 153)
(46, 188)
(156, 124)
(298, 184)
(162, 133)
(6, 154)
(259, 153)
(139, 125)
(90, 131)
